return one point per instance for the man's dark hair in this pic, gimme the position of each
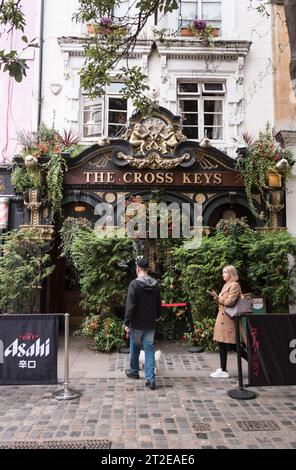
(142, 264)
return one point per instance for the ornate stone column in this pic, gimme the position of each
(34, 206)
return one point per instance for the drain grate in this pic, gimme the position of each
(98, 444)
(258, 426)
(201, 427)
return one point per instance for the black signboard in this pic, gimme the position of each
(272, 349)
(28, 349)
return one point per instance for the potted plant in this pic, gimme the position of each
(201, 30)
(105, 27)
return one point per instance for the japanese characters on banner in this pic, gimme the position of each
(28, 349)
(272, 349)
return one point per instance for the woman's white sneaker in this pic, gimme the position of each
(219, 374)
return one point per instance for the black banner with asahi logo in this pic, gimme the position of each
(28, 349)
(272, 349)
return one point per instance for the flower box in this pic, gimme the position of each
(185, 32)
(106, 30)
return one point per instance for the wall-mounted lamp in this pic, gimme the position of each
(282, 165)
(205, 142)
(79, 209)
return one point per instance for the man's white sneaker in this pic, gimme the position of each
(219, 374)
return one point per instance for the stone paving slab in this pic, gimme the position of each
(188, 410)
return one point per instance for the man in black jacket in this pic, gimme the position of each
(142, 310)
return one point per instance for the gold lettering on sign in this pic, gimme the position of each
(110, 178)
(186, 178)
(169, 178)
(159, 178)
(217, 178)
(88, 174)
(208, 178)
(149, 178)
(198, 178)
(137, 178)
(127, 176)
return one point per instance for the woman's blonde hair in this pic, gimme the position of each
(232, 271)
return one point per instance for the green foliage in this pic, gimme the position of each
(265, 262)
(103, 284)
(46, 142)
(76, 150)
(23, 269)
(56, 168)
(202, 335)
(172, 324)
(70, 229)
(234, 228)
(200, 270)
(134, 89)
(105, 333)
(12, 17)
(260, 159)
(271, 268)
(20, 179)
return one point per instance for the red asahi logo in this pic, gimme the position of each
(19, 349)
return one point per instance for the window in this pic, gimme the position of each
(92, 118)
(105, 115)
(209, 10)
(121, 9)
(117, 110)
(201, 108)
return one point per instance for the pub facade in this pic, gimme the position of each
(153, 156)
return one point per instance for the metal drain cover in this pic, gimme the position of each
(98, 444)
(258, 426)
(201, 427)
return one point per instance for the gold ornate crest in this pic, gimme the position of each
(154, 161)
(154, 134)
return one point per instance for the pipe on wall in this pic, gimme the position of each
(40, 73)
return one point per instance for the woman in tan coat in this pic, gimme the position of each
(224, 332)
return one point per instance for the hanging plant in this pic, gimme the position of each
(20, 180)
(71, 227)
(260, 159)
(56, 168)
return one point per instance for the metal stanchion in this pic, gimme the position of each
(66, 393)
(240, 393)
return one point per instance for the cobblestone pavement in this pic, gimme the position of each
(188, 410)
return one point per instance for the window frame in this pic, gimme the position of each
(201, 98)
(82, 123)
(183, 22)
(105, 113)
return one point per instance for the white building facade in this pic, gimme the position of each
(219, 91)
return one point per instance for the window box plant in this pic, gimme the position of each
(201, 30)
(106, 27)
